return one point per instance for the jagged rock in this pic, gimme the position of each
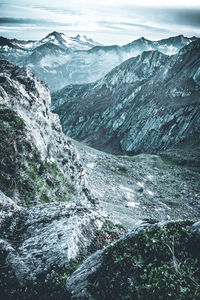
(146, 104)
(46, 235)
(38, 162)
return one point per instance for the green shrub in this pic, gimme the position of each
(157, 263)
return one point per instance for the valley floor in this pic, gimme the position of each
(154, 187)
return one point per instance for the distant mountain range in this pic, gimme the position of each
(148, 103)
(60, 60)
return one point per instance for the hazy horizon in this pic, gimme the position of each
(107, 22)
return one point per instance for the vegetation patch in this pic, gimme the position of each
(157, 263)
(22, 172)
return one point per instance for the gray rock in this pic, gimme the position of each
(77, 283)
(48, 235)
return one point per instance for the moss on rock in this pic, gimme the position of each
(23, 174)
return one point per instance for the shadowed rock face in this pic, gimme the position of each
(146, 104)
(60, 60)
(48, 216)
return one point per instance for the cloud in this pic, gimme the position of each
(190, 17)
(53, 9)
(126, 25)
(24, 21)
(111, 21)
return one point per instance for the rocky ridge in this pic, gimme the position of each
(146, 104)
(60, 60)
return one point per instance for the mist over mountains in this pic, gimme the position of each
(60, 60)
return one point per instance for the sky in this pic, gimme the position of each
(106, 21)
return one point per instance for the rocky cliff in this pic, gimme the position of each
(146, 104)
(49, 220)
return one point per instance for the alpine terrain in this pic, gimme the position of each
(99, 169)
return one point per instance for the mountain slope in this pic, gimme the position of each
(49, 219)
(79, 59)
(146, 104)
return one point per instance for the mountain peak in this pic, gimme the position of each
(78, 36)
(54, 33)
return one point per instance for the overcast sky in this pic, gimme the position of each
(106, 21)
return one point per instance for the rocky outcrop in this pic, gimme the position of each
(38, 163)
(41, 241)
(49, 219)
(146, 104)
(159, 260)
(60, 60)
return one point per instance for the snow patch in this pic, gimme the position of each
(91, 165)
(126, 189)
(150, 192)
(140, 184)
(133, 204)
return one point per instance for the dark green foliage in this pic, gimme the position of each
(157, 263)
(11, 133)
(22, 172)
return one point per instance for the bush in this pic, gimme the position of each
(157, 263)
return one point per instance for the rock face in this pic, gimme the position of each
(160, 260)
(38, 163)
(146, 104)
(60, 60)
(48, 216)
(42, 239)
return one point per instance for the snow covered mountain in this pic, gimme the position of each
(146, 104)
(60, 60)
(74, 43)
